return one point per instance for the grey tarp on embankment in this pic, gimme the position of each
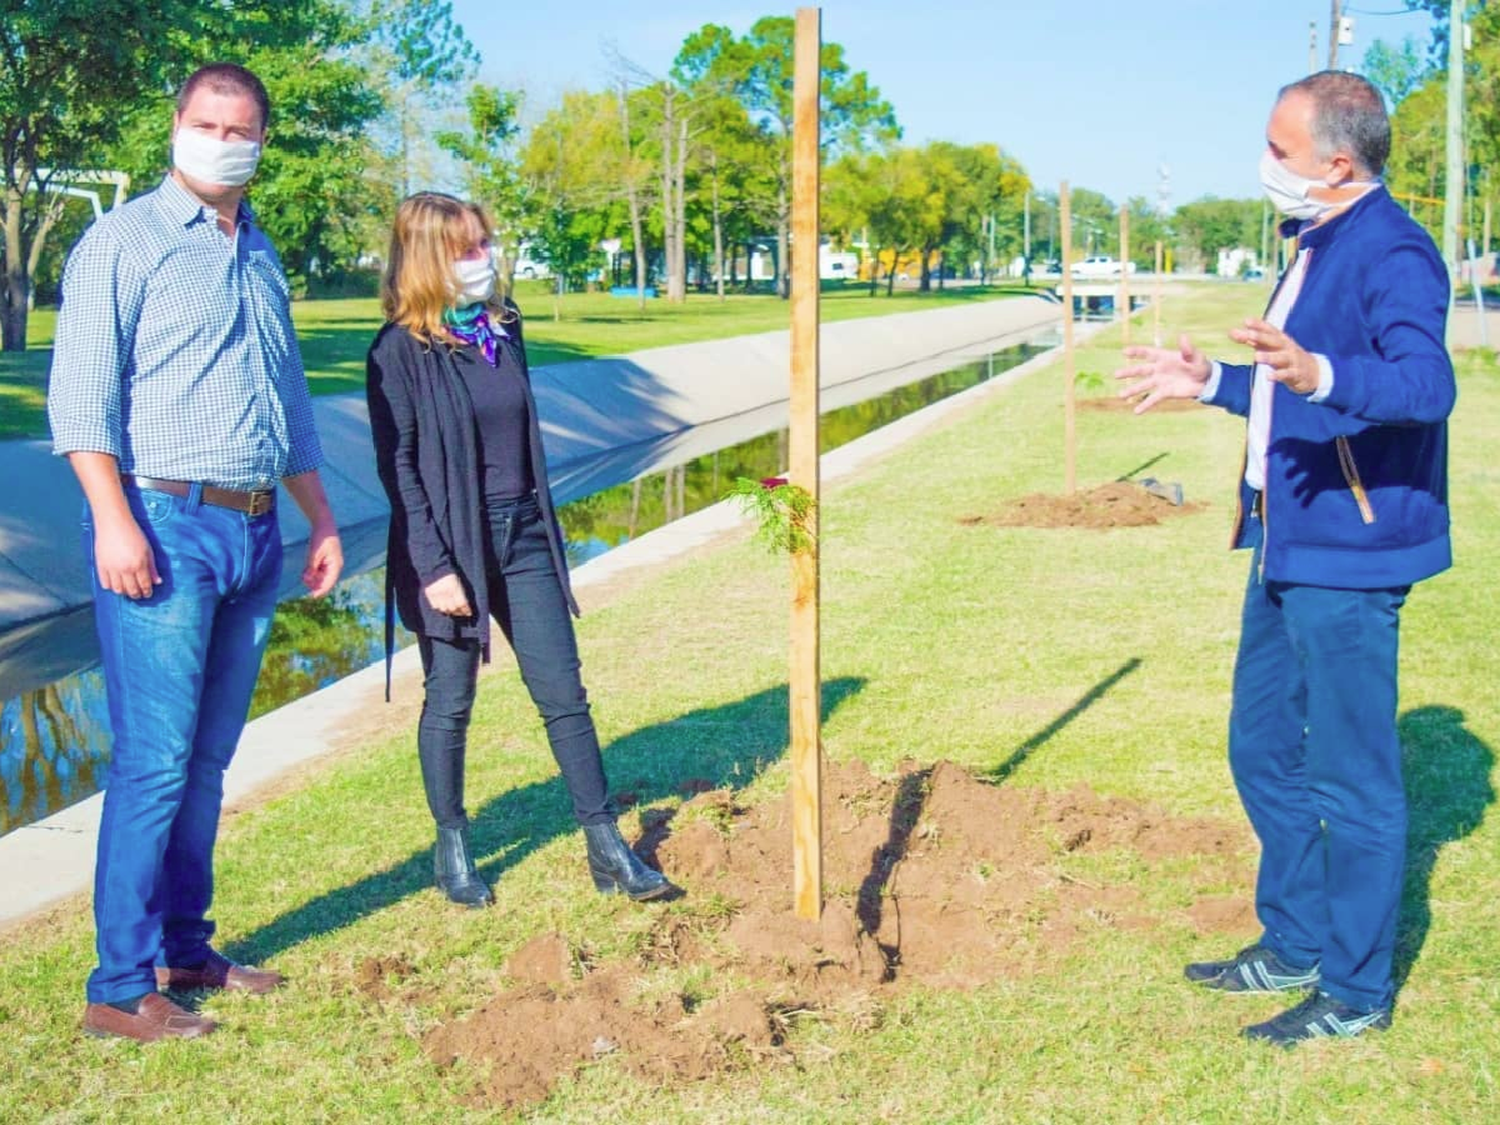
(605, 421)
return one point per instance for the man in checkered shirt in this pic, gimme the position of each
(178, 396)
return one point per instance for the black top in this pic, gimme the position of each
(502, 423)
(427, 457)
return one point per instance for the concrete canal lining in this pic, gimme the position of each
(605, 421)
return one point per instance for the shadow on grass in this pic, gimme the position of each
(1085, 701)
(1448, 790)
(726, 746)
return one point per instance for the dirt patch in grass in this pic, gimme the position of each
(1113, 404)
(934, 877)
(1116, 504)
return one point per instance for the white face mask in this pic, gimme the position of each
(476, 280)
(1288, 191)
(212, 161)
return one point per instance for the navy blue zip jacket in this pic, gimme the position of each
(1356, 490)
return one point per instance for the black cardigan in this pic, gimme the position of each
(422, 423)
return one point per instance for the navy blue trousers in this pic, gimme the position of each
(1317, 761)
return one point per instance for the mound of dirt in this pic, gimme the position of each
(934, 877)
(1116, 504)
(1113, 404)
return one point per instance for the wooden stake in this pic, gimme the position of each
(1070, 437)
(806, 687)
(1125, 272)
(1156, 297)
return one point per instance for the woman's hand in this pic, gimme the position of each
(447, 596)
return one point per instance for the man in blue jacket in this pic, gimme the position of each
(1344, 503)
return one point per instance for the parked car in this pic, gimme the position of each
(1101, 265)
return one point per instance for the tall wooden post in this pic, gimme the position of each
(1070, 437)
(1125, 272)
(806, 687)
(1156, 298)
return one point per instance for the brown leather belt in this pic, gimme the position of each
(251, 503)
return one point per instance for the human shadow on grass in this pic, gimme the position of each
(1448, 790)
(725, 746)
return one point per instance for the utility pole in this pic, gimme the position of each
(1026, 226)
(1453, 193)
(1335, 17)
(1312, 47)
(989, 258)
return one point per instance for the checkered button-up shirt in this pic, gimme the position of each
(175, 351)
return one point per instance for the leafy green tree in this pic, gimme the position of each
(322, 188)
(69, 71)
(421, 56)
(491, 168)
(1147, 227)
(1395, 70)
(1208, 225)
(853, 112)
(570, 167)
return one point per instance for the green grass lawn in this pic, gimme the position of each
(336, 333)
(1047, 657)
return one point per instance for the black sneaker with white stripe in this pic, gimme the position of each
(1320, 1016)
(1253, 969)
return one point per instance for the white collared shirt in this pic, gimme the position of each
(1258, 435)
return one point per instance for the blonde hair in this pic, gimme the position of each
(418, 286)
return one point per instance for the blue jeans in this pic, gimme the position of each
(527, 601)
(1317, 761)
(179, 670)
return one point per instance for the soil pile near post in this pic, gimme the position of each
(1116, 504)
(934, 878)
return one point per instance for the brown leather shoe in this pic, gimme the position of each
(158, 1018)
(219, 972)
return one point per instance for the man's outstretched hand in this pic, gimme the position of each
(1163, 373)
(1288, 362)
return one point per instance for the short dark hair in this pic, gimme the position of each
(1348, 116)
(227, 78)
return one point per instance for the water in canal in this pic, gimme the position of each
(54, 742)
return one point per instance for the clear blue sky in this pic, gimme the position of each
(1099, 91)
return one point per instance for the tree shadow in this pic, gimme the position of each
(1019, 755)
(906, 811)
(911, 798)
(726, 746)
(1448, 790)
(1142, 467)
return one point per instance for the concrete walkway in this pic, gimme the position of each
(54, 858)
(605, 421)
(1464, 329)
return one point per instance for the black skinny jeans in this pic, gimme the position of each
(527, 601)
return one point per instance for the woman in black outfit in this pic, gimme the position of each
(473, 532)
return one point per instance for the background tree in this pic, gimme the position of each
(69, 69)
(853, 112)
(490, 168)
(570, 165)
(1209, 225)
(422, 58)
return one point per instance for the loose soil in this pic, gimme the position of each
(1116, 504)
(1113, 403)
(934, 878)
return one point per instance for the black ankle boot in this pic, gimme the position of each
(454, 868)
(616, 868)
